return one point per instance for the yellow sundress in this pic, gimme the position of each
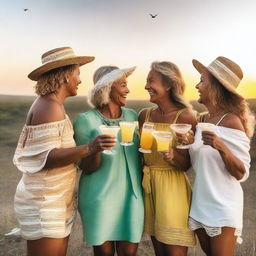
(167, 196)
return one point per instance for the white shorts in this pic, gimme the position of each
(212, 231)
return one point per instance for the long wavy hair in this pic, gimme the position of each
(229, 102)
(172, 78)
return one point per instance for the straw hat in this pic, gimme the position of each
(227, 72)
(99, 95)
(56, 58)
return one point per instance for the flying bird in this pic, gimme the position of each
(25, 10)
(153, 16)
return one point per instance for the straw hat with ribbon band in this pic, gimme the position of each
(57, 58)
(227, 72)
(102, 87)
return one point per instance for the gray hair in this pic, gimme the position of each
(100, 97)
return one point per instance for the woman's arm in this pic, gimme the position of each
(233, 164)
(63, 156)
(84, 129)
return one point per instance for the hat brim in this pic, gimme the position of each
(79, 60)
(201, 68)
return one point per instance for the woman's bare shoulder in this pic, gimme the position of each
(187, 116)
(45, 111)
(232, 121)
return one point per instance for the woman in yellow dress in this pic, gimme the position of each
(167, 192)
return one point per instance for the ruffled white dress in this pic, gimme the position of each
(44, 198)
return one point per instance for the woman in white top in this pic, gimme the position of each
(44, 199)
(220, 158)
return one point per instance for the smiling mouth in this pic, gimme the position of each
(151, 93)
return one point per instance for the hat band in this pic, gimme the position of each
(217, 65)
(67, 53)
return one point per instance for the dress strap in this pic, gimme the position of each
(222, 118)
(148, 114)
(178, 114)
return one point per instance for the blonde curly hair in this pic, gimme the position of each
(50, 82)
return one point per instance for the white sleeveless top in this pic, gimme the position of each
(217, 198)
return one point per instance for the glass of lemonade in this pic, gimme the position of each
(109, 130)
(127, 131)
(146, 139)
(163, 140)
(182, 129)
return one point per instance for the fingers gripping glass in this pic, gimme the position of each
(109, 130)
(182, 129)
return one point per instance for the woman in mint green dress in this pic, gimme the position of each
(110, 194)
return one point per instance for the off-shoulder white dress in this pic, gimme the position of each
(44, 199)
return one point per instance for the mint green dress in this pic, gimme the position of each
(110, 200)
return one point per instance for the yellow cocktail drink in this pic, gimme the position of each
(163, 140)
(146, 140)
(162, 145)
(127, 131)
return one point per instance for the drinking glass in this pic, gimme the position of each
(207, 127)
(182, 129)
(127, 130)
(146, 139)
(109, 130)
(163, 140)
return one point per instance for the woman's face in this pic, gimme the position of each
(155, 87)
(119, 91)
(203, 88)
(73, 81)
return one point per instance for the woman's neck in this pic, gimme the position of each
(166, 107)
(111, 110)
(214, 111)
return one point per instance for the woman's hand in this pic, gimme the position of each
(211, 139)
(101, 142)
(168, 155)
(187, 138)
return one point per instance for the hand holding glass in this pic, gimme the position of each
(109, 130)
(182, 129)
(163, 140)
(146, 139)
(127, 131)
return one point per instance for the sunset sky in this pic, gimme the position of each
(122, 33)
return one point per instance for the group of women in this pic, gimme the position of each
(123, 194)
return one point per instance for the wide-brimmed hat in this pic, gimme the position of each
(57, 58)
(226, 71)
(102, 87)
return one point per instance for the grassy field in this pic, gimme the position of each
(13, 111)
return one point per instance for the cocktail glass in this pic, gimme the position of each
(207, 127)
(127, 131)
(182, 129)
(163, 140)
(109, 130)
(146, 139)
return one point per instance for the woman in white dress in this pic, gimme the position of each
(220, 158)
(46, 155)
